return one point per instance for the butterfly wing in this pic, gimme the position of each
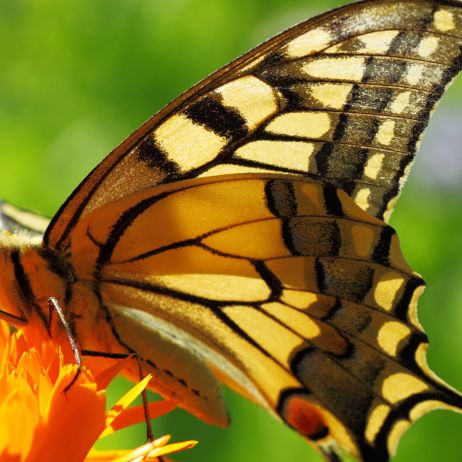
(285, 288)
(343, 98)
(16, 220)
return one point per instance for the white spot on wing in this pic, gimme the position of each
(373, 43)
(415, 73)
(374, 165)
(362, 198)
(401, 102)
(444, 21)
(428, 46)
(386, 132)
(308, 43)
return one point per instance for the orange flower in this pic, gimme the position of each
(42, 421)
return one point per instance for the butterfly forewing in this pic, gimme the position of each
(343, 98)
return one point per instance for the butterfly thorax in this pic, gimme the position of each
(27, 281)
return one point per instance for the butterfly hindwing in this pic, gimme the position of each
(285, 288)
(343, 98)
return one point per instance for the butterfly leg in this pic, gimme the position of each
(54, 306)
(13, 318)
(147, 416)
(144, 395)
(105, 354)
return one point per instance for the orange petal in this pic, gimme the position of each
(17, 422)
(106, 456)
(134, 415)
(75, 420)
(105, 376)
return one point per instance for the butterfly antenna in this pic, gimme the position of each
(54, 306)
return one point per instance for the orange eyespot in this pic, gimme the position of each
(305, 418)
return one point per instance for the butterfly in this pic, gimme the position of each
(240, 234)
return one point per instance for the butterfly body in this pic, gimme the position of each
(238, 234)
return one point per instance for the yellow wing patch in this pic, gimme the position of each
(301, 124)
(240, 94)
(189, 143)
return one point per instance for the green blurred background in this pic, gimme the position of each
(76, 77)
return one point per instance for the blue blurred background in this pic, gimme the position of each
(77, 77)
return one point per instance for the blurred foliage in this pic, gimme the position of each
(78, 76)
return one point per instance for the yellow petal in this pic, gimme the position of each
(123, 403)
